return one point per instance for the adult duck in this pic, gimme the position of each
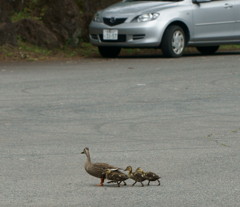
(96, 169)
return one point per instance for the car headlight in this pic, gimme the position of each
(146, 17)
(97, 18)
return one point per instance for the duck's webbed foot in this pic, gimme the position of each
(101, 182)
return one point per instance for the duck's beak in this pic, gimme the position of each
(82, 152)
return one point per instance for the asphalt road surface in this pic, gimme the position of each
(179, 118)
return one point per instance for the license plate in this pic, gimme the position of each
(110, 34)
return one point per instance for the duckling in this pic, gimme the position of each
(136, 176)
(116, 176)
(96, 169)
(150, 176)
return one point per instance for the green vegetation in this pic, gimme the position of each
(34, 9)
(230, 47)
(29, 52)
(20, 15)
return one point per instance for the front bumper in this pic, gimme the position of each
(147, 34)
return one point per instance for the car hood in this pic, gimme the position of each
(137, 7)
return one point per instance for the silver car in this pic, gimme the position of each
(167, 24)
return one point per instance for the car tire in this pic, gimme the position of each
(173, 42)
(208, 50)
(109, 52)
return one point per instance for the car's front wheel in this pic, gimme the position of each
(173, 41)
(208, 50)
(109, 52)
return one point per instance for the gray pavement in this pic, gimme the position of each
(177, 117)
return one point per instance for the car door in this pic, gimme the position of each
(214, 20)
(237, 17)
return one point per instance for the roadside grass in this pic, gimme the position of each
(230, 47)
(28, 52)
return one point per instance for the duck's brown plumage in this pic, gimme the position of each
(136, 176)
(150, 176)
(96, 169)
(116, 176)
